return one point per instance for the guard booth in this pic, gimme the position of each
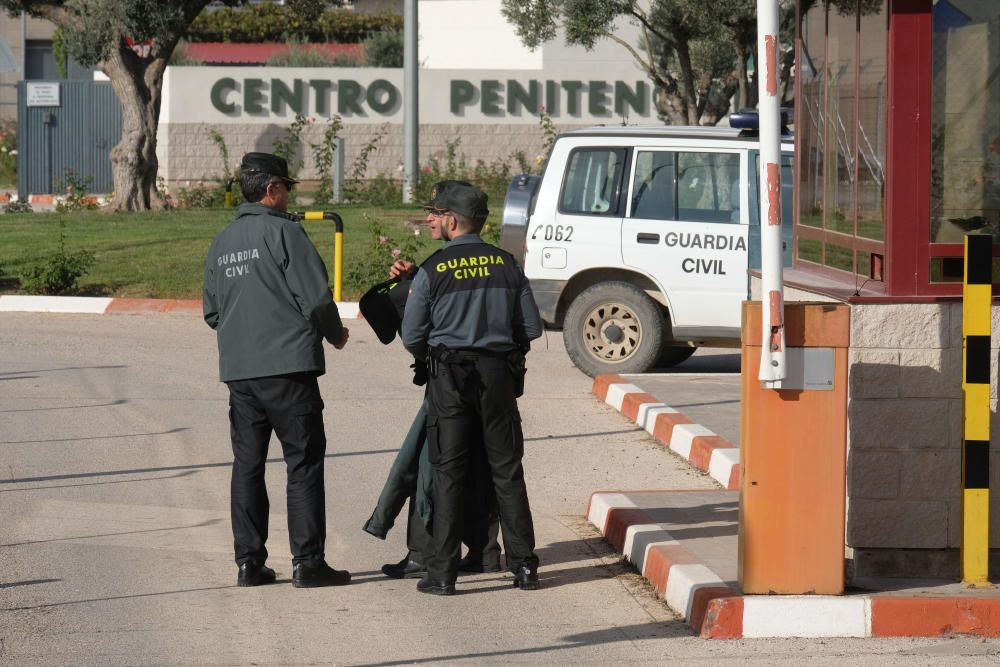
(66, 125)
(897, 144)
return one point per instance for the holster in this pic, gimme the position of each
(516, 360)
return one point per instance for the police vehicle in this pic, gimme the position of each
(637, 240)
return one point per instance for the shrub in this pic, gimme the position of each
(380, 251)
(323, 153)
(384, 49)
(18, 206)
(8, 153)
(276, 23)
(78, 197)
(59, 272)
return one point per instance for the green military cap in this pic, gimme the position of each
(438, 190)
(467, 200)
(266, 163)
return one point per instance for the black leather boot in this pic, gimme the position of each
(252, 573)
(434, 586)
(408, 568)
(526, 578)
(315, 575)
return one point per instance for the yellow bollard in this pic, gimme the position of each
(976, 299)
(229, 193)
(338, 248)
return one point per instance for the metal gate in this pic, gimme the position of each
(69, 128)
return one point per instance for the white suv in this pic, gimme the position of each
(637, 240)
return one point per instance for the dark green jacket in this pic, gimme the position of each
(410, 474)
(267, 296)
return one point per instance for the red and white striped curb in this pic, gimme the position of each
(714, 610)
(10, 303)
(694, 443)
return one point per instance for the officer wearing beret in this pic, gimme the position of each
(410, 477)
(471, 314)
(267, 296)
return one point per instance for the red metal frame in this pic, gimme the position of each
(908, 153)
(908, 249)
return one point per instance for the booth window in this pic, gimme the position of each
(965, 131)
(841, 139)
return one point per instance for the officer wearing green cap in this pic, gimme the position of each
(267, 296)
(472, 315)
(410, 477)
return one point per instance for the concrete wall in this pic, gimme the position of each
(187, 154)
(905, 433)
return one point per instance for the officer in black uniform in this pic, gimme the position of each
(472, 315)
(383, 307)
(267, 296)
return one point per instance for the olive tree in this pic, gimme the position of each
(694, 51)
(131, 42)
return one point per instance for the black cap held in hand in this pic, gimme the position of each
(266, 163)
(467, 200)
(382, 307)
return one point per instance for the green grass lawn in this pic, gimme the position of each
(162, 255)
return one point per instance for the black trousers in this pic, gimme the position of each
(476, 409)
(481, 522)
(291, 406)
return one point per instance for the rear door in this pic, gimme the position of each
(582, 227)
(686, 225)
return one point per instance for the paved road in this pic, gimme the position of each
(115, 543)
(705, 388)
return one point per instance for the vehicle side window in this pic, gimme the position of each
(654, 192)
(592, 180)
(696, 187)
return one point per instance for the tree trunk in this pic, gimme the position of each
(138, 84)
(688, 81)
(741, 71)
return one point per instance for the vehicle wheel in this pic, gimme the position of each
(613, 327)
(671, 355)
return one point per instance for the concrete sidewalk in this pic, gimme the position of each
(686, 543)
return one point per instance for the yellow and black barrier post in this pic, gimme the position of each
(229, 193)
(338, 247)
(976, 299)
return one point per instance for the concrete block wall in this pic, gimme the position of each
(188, 154)
(904, 438)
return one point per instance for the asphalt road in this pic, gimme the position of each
(115, 545)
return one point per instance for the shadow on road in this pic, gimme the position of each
(32, 582)
(139, 471)
(120, 401)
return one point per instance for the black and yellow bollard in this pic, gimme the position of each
(338, 247)
(976, 300)
(229, 193)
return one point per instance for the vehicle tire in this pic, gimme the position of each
(671, 355)
(613, 327)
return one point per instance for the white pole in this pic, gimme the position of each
(411, 119)
(772, 353)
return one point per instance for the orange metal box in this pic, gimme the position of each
(793, 449)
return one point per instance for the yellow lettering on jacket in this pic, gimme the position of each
(472, 272)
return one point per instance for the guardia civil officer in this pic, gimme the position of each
(410, 475)
(472, 315)
(266, 294)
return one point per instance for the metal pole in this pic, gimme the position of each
(976, 325)
(772, 356)
(411, 115)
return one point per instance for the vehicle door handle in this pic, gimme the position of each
(648, 238)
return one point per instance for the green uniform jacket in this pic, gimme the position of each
(410, 475)
(267, 296)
